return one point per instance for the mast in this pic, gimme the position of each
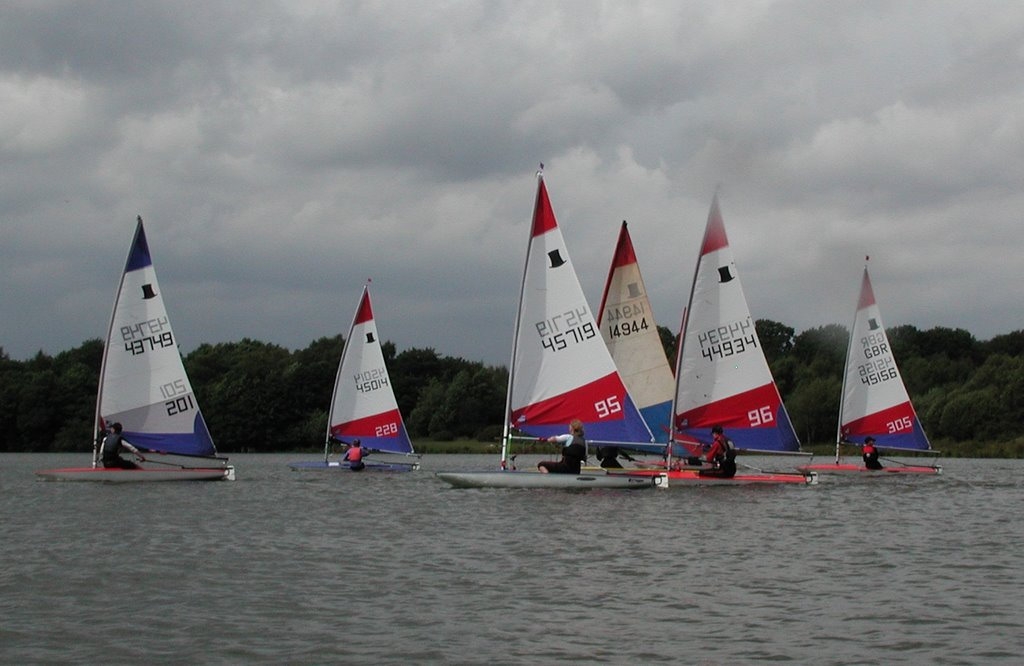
(506, 429)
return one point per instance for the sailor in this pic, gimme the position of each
(112, 445)
(721, 455)
(870, 454)
(354, 456)
(609, 457)
(574, 451)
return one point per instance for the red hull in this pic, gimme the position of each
(693, 477)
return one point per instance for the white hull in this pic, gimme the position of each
(515, 479)
(138, 475)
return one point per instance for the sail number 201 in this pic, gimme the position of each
(180, 404)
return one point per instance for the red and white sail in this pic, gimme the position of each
(722, 375)
(561, 369)
(875, 401)
(631, 334)
(363, 405)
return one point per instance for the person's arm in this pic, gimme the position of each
(131, 448)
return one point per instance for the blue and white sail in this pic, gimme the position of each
(143, 384)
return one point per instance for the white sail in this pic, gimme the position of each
(143, 384)
(631, 334)
(363, 405)
(722, 376)
(875, 402)
(561, 369)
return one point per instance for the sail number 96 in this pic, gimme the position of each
(607, 407)
(761, 416)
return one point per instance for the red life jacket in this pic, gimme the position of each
(354, 454)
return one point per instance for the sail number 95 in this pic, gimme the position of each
(607, 407)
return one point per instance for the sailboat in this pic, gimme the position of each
(143, 386)
(722, 375)
(629, 330)
(560, 370)
(874, 400)
(363, 404)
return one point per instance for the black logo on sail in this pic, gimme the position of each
(556, 258)
(369, 337)
(724, 275)
(872, 324)
(147, 292)
(634, 290)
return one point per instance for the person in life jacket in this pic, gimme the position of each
(721, 455)
(609, 457)
(113, 443)
(354, 456)
(574, 451)
(870, 454)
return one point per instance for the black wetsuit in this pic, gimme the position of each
(609, 456)
(871, 459)
(111, 449)
(573, 455)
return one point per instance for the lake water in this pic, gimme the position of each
(299, 567)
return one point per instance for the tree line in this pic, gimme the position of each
(261, 397)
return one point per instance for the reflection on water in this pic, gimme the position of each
(340, 567)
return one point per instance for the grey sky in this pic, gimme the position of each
(282, 153)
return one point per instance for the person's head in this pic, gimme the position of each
(356, 442)
(116, 427)
(717, 430)
(576, 427)
(868, 441)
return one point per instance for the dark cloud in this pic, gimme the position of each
(283, 153)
